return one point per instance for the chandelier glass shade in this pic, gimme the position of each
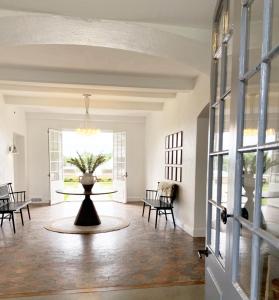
(85, 127)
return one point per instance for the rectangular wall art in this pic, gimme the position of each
(173, 156)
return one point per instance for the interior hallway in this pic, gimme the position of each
(36, 261)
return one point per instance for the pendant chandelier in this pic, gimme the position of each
(85, 128)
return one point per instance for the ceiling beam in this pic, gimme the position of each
(36, 75)
(70, 90)
(75, 103)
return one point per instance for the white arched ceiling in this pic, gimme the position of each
(59, 30)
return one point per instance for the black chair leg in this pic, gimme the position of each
(157, 212)
(28, 212)
(22, 222)
(173, 218)
(166, 214)
(143, 209)
(2, 220)
(149, 213)
(12, 216)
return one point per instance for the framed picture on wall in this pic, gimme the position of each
(174, 174)
(171, 140)
(179, 157)
(170, 157)
(170, 173)
(166, 157)
(166, 142)
(179, 139)
(174, 157)
(175, 140)
(166, 172)
(179, 174)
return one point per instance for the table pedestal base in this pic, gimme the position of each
(87, 215)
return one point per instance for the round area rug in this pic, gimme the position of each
(108, 223)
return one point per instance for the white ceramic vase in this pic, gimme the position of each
(88, 180)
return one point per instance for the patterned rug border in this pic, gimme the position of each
(103, 228)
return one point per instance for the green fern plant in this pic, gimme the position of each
(88, 162)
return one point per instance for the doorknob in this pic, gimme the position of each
(225, 215)
(204, 252)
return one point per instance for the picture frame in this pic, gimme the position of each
(174, 157)
(179, 174)
(179, 157)
(166, 157)
(175, 140)
(167, 141)
(170, 157)
(170, 142)
(170, 173)
(180, 139)
(174, 174)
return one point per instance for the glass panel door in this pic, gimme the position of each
(56, 180)
(119, 167)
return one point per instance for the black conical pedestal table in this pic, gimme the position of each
(87, 215)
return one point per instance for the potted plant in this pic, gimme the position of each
(87, 163)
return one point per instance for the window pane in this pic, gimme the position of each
(270, 192)
(229, 64)
(269, 268)
(245, 250)
(226, 129)
(221, 28)
(272, 129)
(275, 23)
(248, 185)
(214, 178)
(213, 228)
(225, 169)
(255, 33)
(216, 129)
(250, 134)
(222, 243)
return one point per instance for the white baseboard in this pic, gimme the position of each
(194, 232)
(134, 199)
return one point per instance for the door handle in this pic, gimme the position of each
(225, 215)
(204, 252)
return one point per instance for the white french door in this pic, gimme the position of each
(56, 181)
(242, 243)
(119, 167)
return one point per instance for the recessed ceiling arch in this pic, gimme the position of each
(42, 29)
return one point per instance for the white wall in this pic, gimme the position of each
(37, 147)
(12, 120)
(180, 114)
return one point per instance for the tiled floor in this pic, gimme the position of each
(38, 261)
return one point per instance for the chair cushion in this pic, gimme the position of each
(165, 188)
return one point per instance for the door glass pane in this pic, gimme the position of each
(226, 130)
(225, 169)
(214, 178)
(275, 23)
(221, 28)
(270, 192)
(255, 33)
(213, 228)
(269, 268)
(250, 134)
(245, 250)
(248, 185)
(222, 243)
(229, 64)
(272, 128)
(216, 129)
